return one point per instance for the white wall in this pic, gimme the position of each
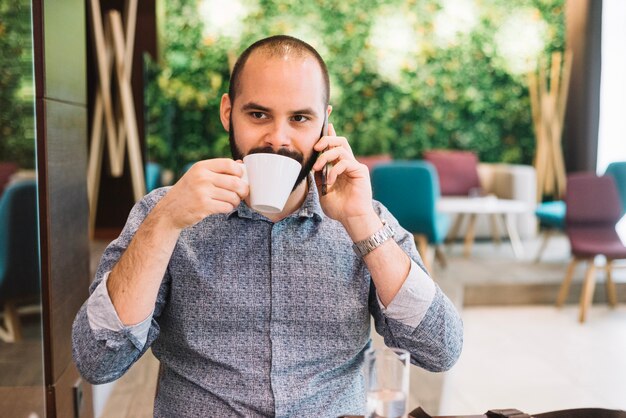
(612, 131)
(100, 396)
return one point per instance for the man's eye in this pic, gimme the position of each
(258, 115)
(300, 118)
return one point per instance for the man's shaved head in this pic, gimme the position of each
(278, 46)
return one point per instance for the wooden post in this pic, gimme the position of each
(114, 45)
(548, 112)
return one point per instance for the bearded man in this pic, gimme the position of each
(264, 314)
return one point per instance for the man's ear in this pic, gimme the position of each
(329, 110)
(225, 109)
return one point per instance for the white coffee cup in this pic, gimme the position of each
(271, 178)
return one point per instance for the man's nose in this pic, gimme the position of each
(279, 135)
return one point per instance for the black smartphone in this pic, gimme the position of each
(327, 165)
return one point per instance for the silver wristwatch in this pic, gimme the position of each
(366, 246)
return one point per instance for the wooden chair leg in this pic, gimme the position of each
(611, 293)
(586, 296)
(5, 335)
(544, 243)
(564, 290)
(439, 256)
(13, 329)
(422, 248)
(469, 236)
(456, 227)
(495, 232)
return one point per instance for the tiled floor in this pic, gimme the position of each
(538, 359)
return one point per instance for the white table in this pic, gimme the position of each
(488, 205)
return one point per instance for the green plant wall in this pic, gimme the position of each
(405, 75)
(17, 135)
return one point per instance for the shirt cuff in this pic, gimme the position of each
(410, 304)
(102, 315)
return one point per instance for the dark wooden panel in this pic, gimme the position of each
(65, 64)
(61, 115)
(582, 117)
(65, 397)
(68, 243)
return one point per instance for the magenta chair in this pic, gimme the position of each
(7, 169)
(457, 171)
(593, 209)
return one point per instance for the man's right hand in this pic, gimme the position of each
(208, 187)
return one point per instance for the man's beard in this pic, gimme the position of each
(307, 165)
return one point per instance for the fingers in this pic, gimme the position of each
(225, 196)
(331, 129)
(332, 140)
(334, 149)
(220, 165)
(333, 155)
(213, 186)
(343, 166)
(230, 183)
(222, 173)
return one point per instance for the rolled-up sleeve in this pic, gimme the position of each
(412, 301)
(102, 347)
(102, 315)
(420, 319)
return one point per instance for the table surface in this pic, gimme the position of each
(434, 416)
(478, 205)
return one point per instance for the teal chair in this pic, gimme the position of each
(186, 168)
(153, 176)
(410, 190)
(551, 217)
(617, 169)
(19, 254)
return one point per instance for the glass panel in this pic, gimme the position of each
(21, 342)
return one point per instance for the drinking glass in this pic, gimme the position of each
(387, 382)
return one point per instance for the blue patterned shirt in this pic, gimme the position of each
(255, 318)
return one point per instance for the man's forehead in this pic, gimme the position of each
(282, 64)
(263, 55)
(294, 80)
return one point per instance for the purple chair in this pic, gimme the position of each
(457, 171)
(593, 209)
(372, 161)
(7, 169)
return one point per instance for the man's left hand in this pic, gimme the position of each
(349, 191)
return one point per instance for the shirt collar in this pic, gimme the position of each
(310, 208)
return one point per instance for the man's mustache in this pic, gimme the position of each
(281, 151)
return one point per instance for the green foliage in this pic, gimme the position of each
(17, 139)
(458, 92)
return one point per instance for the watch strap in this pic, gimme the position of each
(366, 246)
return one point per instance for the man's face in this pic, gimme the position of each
(278, 108)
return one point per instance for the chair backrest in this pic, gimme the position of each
(19, 241)
(552, 214)
(410, 190)
(617, 169)
(153, 176)
(591, 200)
(372, 161)
(7, 169)
(457, 170)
